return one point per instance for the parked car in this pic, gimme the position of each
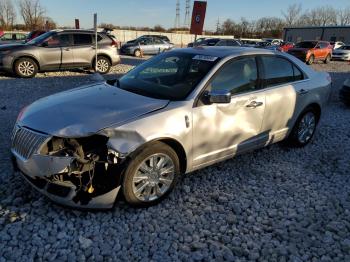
(342, 53)
(249, 43)
(310, 51)
(11, 38)
(228, 42)
(59, 49)
(175, 113)
(285, 46)
(336, 45)
(197, 42)
(344, 93)
(205, 42)
(263, 44)
(161, 37)
(146, 45)
(34, 34)
(273, 41)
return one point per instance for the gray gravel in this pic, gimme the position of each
(275, 204)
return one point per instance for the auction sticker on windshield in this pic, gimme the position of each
(205, 58)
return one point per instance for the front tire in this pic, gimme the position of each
(26, 67)
(304, 128)
(311, 60)
(151, 175)
(137, 53)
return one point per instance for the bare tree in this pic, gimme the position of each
(7, 14)
(292, 14)
(328, 15)
(344, 16)
(32, 13)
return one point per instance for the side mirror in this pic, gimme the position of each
(219, 96)
(45, 44)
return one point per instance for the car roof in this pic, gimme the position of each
(223, 51)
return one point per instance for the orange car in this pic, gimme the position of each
(310, 51)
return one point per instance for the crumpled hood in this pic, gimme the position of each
(86, 110)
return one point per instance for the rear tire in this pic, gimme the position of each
(103, 65)
(26, 67)
(311, 60)
(304, 128)
(327, 60)
(150, 175)
(137, 53)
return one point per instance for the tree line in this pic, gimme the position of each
(32, 13)
(294, 15)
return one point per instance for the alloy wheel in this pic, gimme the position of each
(26, 68)
(102, 65)
(307, 127)
(153, 177)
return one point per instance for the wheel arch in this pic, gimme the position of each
(172, 143)
(101, 54)
(25, 56)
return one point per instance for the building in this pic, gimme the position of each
(326, 33)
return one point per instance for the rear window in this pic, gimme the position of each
(279, 71)
(82, 39)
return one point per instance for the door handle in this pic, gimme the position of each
(66, 49)
(254, 104)
(303, 92)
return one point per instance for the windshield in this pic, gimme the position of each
(39, 39)
(345, 47)
(306, 45)
(170, 76)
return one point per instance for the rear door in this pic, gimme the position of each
(159, 45)
(285, 89)
(83, 49)
(147, 45)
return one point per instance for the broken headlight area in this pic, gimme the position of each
(93, 171)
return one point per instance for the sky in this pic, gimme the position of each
(153, 12)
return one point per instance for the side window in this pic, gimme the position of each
(157, 41)
(298, 75)
(82, 39)
(238, 76)
(278, 70)
(20, 37)
(99, 38)
(58, 40)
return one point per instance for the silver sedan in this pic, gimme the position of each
(178, 112)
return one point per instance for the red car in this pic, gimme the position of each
(310, 51)
(285, 46)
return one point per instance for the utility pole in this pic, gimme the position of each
(177, 19)
(187, 14)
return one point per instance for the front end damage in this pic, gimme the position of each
(77, 172)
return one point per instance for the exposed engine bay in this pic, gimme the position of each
(93, 171)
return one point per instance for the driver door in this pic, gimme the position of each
(55, 52)
(222, 130)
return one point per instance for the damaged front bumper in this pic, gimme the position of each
(70, 172)
(62, 193)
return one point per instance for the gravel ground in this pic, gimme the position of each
(275, 204)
